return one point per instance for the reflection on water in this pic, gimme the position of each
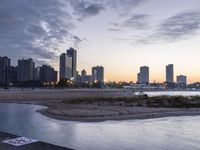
(180, 133)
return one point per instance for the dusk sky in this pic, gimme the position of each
(120, 35)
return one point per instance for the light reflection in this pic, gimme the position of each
(180, 133)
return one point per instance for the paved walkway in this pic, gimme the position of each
(32, 146)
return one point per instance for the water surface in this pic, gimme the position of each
(180, 133)
(173, 93)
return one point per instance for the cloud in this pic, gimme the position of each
(77, 41)
(92, 9)
(178, 27)
(125, 6)
(134, 21)
(31, 28)
(89, 8)
(114, 29)
(85, 8)
(37, 28)
(138, 21)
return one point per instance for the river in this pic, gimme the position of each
(173, 93)
(180, 133)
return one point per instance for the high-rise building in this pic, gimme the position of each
(65, 66)
(68, 64)
(37, 74)
(12, 74)
(71, 52)
(138, 78)
(83, 73)
(25, 70)
(48, 74)
(181, 80)
(62, 66)
(68, 68)
(98, 73)
(85, 78)
(143, 76)
(4, 70)
(170, 73)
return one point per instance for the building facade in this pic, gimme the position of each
(48, 74)
(83, 73)
(37, 73)
(71, 52)
(62, 66)
(13, 75)
(68, 64)
(25, 71)
(68, 67)
(4, 71)
(143, 75)
(98, 74)
(170, 73)
(181, 80)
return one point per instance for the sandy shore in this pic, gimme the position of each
(88, 112)
(94, 113)
(125, 117)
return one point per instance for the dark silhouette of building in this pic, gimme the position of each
(195, 85)
(62, 66)
(83, 73)
(170, 73)
(170, 76)
(25, 70)
(12, 75)
(4, 71)
(48, 74)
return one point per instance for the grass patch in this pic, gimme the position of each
(157, 101)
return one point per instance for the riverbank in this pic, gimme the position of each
(101, 109)
(100, 105)
(33, 146)
(145, 113)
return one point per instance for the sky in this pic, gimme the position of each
(120, 35)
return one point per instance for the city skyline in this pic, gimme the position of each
(111, 33)
(97, 72)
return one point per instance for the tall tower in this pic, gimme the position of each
(62, 66)
(143, 76)
(68, 64)
(170, 73)
(65, 66)
(4, 70)
(71, 52)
